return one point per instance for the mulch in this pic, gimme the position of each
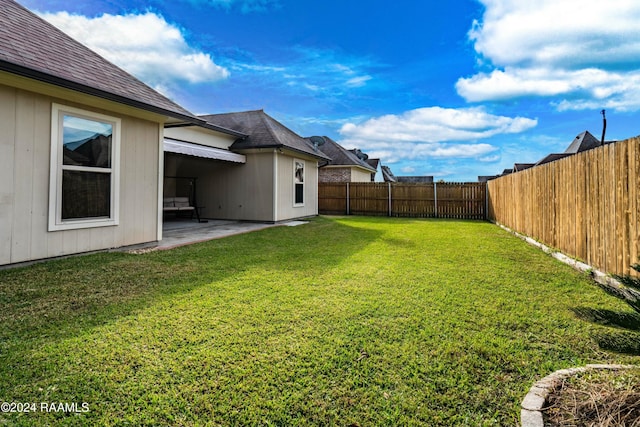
(601, 398)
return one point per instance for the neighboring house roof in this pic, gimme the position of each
(374, 163)
(517, 167)
(340, 156)
(553, 157)
(415, 179)
(387, 175)
(31, 47)
(582, 142)
(263, 132)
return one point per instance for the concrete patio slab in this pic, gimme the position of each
(180, 233)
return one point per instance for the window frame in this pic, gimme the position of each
(295, 183)
(57, 166)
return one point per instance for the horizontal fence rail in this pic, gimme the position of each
(585, 205)
(435, 200)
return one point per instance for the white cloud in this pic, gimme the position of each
(358, 81)
(587, 53)
(325, 74)
(437, 124)
(145, 45)
(432, 132)
(407, 169)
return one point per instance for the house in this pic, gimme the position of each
(344, 165)
(250, 167)
(374, 163)
(582, 142)
(81, 156)
(390, 177)
(387, 175)
(517, 167)
(426, 179)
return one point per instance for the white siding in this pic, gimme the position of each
(25, 141)
(360, 175)
(201, 136)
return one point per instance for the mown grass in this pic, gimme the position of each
(343, 321)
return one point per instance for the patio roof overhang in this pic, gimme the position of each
(197, 150)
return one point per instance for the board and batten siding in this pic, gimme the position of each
(25, 144)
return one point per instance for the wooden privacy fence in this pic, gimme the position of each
(436, 200)
(585, 205)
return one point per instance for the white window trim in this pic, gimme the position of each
(304, 179)
(56, 223)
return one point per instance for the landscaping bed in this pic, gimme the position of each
(342, 321)
(603, 398)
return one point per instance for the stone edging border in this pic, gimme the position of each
(597, 275)
(534, 402)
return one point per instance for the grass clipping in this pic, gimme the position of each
(596, 398)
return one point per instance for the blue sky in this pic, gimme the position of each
(453, 89)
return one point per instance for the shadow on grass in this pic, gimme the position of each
(624, 340)
(62, 297)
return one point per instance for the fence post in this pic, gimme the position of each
(486, 200)
(435, 201)
(389, 198)
(348, 198)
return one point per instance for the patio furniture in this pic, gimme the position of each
(179, 205)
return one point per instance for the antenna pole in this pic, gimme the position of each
(604, 126)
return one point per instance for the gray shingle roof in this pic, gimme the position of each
(31, 47)
(263, 132)
(584, 141)
(341, 156)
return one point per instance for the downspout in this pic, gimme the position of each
(275, 185)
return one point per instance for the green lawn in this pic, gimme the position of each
(342, 321)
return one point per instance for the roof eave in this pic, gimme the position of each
(284, 147)
(78, 87)
(209, 126)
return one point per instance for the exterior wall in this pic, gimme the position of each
(360, 175)
(25, 144)
(334, 174)
(245, 192)
(230, 190)
(343, 174)
(200, 136)
(285, 208)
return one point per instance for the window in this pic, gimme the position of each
(84, 169)
(298, 182)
